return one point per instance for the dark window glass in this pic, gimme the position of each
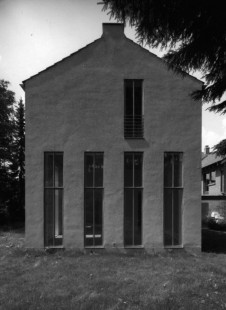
(177, 170)
(58, 162)
(53, 199)
(99, 170)
(89, 229)
(168, 165)
(128, 217)
(128, 166)
(173, 193)
(129, 97)
(133, 168)
(168, 198)
(93, 199)
(177, 200)
(48, 170)
(138, 98)
(98, 216)
(58, 212)
(137, 216)
(138, 168)
(49, 217)
(89, 163)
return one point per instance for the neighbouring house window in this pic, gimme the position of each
(133, 196)
(222, 181)
(93, 199)
(173, 193)
(53, 199)
(213, 177)
(206, 182)
(209, 179)
(133, 118)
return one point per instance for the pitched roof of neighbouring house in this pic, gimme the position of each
(210, 159)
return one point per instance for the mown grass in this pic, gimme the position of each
(70, 280)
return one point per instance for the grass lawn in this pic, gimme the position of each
(67, 280)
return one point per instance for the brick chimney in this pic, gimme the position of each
(113, 30)
(207, 150)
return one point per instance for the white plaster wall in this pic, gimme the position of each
(78, 106)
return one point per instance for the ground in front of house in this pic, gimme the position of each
(69, 280)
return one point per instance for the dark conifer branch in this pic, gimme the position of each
(220, 148)
(193, 32)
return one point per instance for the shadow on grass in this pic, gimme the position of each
(213, 241)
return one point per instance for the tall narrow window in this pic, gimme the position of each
(93, 198)
(53, 199)
(133, 118)
(173, 190)
(133, 195)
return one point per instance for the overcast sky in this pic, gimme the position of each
(34, 34)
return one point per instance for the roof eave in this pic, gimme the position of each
(22, 86)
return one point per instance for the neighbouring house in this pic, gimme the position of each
(113, 143)
(213, 184)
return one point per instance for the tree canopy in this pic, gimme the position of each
(17, 202)
(192, 31)
(6, 139)
(12, 142)
(7, 100)
(220, 148)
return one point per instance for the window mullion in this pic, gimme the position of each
(54, 170)
(173, 199)
(133, 171)
(172, 217)
(133, 216)
(133, 195)
(173, 170)
(54, 213)
(93, 170)
(94, 165)
(133, 109)
(94, 217)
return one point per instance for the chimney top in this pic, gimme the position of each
(207, 150)
(113, 30)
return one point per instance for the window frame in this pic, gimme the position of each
(93, 188)
(209, 182)
(173, 189)
(134, 188)
(53, 188)
(134, 135)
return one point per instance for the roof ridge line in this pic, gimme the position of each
(184, 72)
(59, 61)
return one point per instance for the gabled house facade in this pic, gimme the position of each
(213, 174)
(113, 144)
(213, 184)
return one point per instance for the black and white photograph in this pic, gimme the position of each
(112, 154)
